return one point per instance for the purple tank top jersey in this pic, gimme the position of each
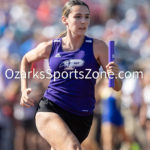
(73, 78)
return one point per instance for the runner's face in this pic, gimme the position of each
(78, 20)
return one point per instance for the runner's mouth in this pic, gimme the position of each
(82, 28)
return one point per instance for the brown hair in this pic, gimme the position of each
(67, 10)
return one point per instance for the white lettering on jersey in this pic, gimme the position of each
(71, 64)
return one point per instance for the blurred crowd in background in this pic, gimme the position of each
(121, 119)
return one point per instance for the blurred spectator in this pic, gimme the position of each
(145, 109)
(112, 128)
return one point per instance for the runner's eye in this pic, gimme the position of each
(78, 17)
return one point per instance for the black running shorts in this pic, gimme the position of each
(79, 125)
